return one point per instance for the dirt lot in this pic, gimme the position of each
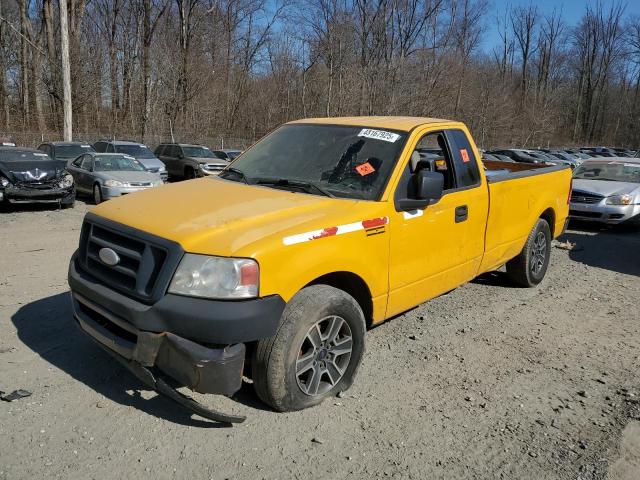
(487, 382)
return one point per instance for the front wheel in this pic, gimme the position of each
(530, 266)
(97, 194)
(315, 353)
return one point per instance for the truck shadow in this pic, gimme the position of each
(610, 248)
(47, 327)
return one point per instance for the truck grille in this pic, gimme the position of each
(584, 197)
(146, 263)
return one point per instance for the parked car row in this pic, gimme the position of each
(571, 157)
(106, 169)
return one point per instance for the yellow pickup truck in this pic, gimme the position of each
(275, 269)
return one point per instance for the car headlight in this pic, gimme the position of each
(66, 181)
(625, 199)
(162, 169)
(216, 277)
(114, 183)
(4, 182)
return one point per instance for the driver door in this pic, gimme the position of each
(427, 256)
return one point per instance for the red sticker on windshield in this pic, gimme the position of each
(465, 155)
(365, 169)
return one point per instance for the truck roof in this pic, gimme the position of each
(394, 123)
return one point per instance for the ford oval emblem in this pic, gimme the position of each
(109, 257)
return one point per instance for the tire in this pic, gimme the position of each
(97, 194)
(189, 173)
(530, 266)
(285, 365)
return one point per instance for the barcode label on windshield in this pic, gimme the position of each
(379, 135)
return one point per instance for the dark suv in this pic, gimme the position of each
(189, 161)
(65, 151)
(139, 151)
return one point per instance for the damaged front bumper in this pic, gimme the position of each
(40, 194)
(202, 369)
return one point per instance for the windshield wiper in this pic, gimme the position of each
(238, 172)
(305, 186)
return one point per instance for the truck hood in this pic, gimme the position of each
(603, 187)
(222, 217)
(31, 171)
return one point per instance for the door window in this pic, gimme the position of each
(464, 160)
(100, 146)
(435, 156)
(86, 162)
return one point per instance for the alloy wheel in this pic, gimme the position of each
(324, 355)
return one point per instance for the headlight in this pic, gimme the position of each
(162, 169)
(4, 182)
(114, 183)
(216, 277)
(625, 199)
(66, 181)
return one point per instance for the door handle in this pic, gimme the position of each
(462, 213)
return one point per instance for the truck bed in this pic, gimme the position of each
(519, 193)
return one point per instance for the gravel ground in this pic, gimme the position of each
(488, 381)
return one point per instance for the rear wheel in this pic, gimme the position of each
(97, 194)
(315, 353)
(530, 266)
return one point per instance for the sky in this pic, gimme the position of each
(572, 11)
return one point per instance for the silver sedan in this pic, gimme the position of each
(607, 190)
(108, 175)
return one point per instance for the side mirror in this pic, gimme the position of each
(427, 187)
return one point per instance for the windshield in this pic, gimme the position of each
(72, 151)
(232, 154)
(15, 155)
(200, 152)
(611, 171)
(116, 163)
(345, 161)
(137, 151)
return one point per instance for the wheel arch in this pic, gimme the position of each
(352, 284)
(549, 215)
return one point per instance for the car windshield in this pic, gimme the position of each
(611, 171)
(116, 163)
(137, 151)
(72, 151)
(343, 161)
(16, 155)
(232, 154)
(199, 152)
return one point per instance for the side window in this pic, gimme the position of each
(86, 162)
(110, 148)
(159, 150)
(45, 148)
(435, 155)
(220, 154)
(179, 152)
(464, 160)
(78, 161)
(99, 146)
(171, 151)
